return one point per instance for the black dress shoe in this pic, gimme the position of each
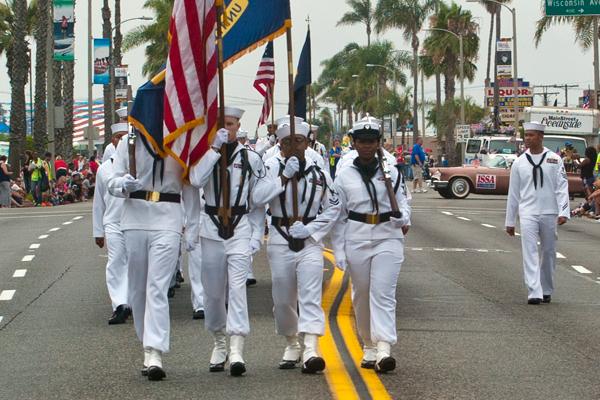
(156, 373)
(250, 282)
(127, 312)
(367, 364)
(288, 364)
(171, 293)
(179, 277)
(198, 314)
(220, 367)
(386, 364)
(177, 285)
(118, 316)
(547, 299)
(313, 365)
(237, 369)
(144, 371)
(534, 301)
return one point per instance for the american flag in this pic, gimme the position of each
(80, 119)
(191, 80)
(265, 82)
(586, 102)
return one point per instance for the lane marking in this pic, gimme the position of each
(28, 258)
(20, 273)
(463, 218)
(482, 250)
(1, 318)
(517, 234)
(417, 249)
(581, 269)
(54, 230)
(77, 217)
(6, 295)
(337, 376)
(67, 223)
(488, 225)
(34, 246)
(43, 236)
(447, 213)
(559, 255)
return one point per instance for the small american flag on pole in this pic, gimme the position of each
(191, 81)
(265, 82)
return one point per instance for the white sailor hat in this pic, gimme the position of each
(122, 112)
(241, 134)
(534, 126)
(120, 127)
(314, 128)
(283, 127)
(234, 112)
(367, 127)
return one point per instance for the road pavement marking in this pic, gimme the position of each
(463, 218)
(77, 217)
(447, 213)
(581, 269)
(19, 273)
(43, 236)
(28, 258)
(517, 234)
(559, 255)
(67, 223)
(488, 225)
(7, 295)
(54, 230)
(417, 249)
(34, 246)
(1, 318)
(482, 250)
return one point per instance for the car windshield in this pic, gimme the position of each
(503, 146)
(557, 144)
(496, 162)
(473, 146)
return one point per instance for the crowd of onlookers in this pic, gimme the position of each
(44, 181)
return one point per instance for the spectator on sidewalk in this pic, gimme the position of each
(5, 175)
(417, 161)
(61, 167)
(93, 165)
(334, 157)
(37, 177)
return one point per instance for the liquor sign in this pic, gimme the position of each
(506, 100)
(121, 84)
(63, 22)
(504, 58)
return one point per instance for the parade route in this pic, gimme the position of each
(464, 328)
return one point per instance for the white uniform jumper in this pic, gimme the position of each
(374, 249)
(106, 213)
(297, 277)
(192, 238)
(226, 255)
(538, 194)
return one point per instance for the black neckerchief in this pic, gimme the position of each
(367, 172)
(230, 151)
(536, 168)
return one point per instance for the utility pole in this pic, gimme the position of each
(596, 66)
(545, 92)
(566, 87)
(50, 122)
(90, 84)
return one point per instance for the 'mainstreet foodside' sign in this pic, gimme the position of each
(572, 7)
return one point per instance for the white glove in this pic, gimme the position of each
(341, 264)
(272, 140)
(130, 184)
(299, 230)
(221, 138)
(292, 166)
(190, 245)
(254, 246)
(397, 222)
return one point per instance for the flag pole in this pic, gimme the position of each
(224, 210)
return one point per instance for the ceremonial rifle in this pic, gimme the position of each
(387, 176)
(131, 138)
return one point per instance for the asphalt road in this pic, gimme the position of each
(464, 328)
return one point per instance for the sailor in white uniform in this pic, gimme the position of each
(226, 247)
(152, 223)
(194, 250)
(295, 248)
(265, 143)
(106, 216)
(539, 194)
(369, 239)
(242, 137)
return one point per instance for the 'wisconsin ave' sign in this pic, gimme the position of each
(572, 7)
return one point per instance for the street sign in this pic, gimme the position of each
(463, 132)
(572, 7)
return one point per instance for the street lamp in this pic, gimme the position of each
(462, 69)
(513, 11)
(393, 71)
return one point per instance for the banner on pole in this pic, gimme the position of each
(121, 84)
(504, 58)
(102, 61)
(64, 30)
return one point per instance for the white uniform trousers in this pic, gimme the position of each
(539, 268)
(224, 271)
(374, 268)
(195, 275)
(116, 267)
(297, 283)
(152, 256)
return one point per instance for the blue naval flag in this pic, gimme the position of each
(303, 79)
(146, 114)
(249, 24)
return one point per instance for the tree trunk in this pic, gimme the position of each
(368, 35)
(415, 72)
(450, 115)
(17, 59)
(108, 99)
(57, 71)
(68, 88)
(40, 135)
(489, 59)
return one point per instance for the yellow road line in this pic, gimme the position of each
(336, 374)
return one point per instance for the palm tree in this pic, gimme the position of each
(41, 36)
(68, 88)
(583, 26)
(362, 13)
(443, 48)
(154, 36)
(409, 16)
(57, 80)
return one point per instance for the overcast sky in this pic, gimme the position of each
(556, 61)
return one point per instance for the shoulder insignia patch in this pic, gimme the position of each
(552, 161)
